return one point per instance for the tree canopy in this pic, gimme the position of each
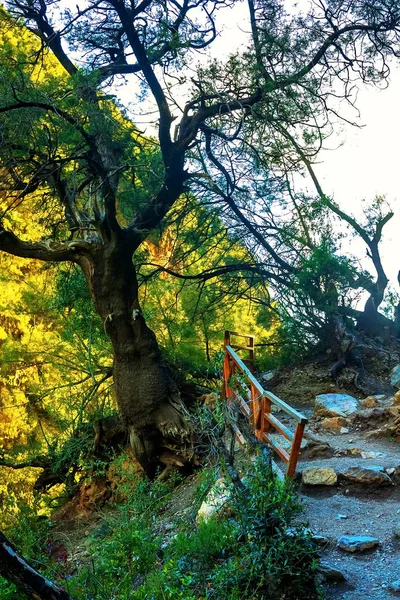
(99, 189)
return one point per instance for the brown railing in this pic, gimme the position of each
(256, 403)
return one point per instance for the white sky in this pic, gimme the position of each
(360, 162)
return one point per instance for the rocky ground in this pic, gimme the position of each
(349, 475)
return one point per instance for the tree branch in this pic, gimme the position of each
(15, 568)
(48, 251)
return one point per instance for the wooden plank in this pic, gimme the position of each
(226, 392)
(281, 452)
(275, 400)
(239, 347)
(243, 405)
(280, 427)
(242, 335)
(239, 435)
(245, 370)
(285, 407)
(294, 454)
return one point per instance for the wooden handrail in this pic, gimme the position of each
(257, 408)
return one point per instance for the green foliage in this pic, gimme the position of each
(145, 551)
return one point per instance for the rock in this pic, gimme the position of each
(375, 476)
(396, 533)
(269, 375)
(335, 405)
(377, 433)
(319, 476)
(396, 399)
(365, 454)
(315, 449)
(371, 416)
(369, 402)
(333, 423)
(395, 376)
(330, 574)
(344, 430)
(357, 543)
(320, 540)
(394, 587)
(216, 499)
(390, 471)
(210, 400)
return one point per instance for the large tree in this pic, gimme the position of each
(66, 150)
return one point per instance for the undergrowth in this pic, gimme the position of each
(147, 549)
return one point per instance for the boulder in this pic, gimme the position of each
(369, 402)
(335, 405)
(377, 433)
(215, 501)
(329, 574)
(395, 376)
(319, 476)
(334, 423)
(320, 540)
(374, 476)
(357, 543)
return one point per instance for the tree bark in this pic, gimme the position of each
(17, 570)
(370, 320)
(148, 399)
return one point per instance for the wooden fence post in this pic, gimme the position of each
(226, 392)
(294, 454)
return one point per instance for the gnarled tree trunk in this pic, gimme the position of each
(148, 399)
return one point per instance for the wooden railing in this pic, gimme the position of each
(256, 403)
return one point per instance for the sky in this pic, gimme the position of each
(358, 162)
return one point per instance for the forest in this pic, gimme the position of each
(127, 250)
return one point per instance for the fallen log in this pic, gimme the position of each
(16, 569)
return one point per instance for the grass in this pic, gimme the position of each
(149, 546)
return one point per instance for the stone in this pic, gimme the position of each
(396, 399)
(315, 449)
(377, 433)
(334, 423)
(394, 410)
(210, 400)
(344, 430)
(374, 476)
(394, 587)
(371, 454)
(395, 376)
(369, 402)
(319, 476)
(329, 574)
(335, 405)
(269, 375)
(357, 543)
(320, 540)
(215, 500)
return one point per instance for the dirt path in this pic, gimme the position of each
(357, 510)
(331, 513)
